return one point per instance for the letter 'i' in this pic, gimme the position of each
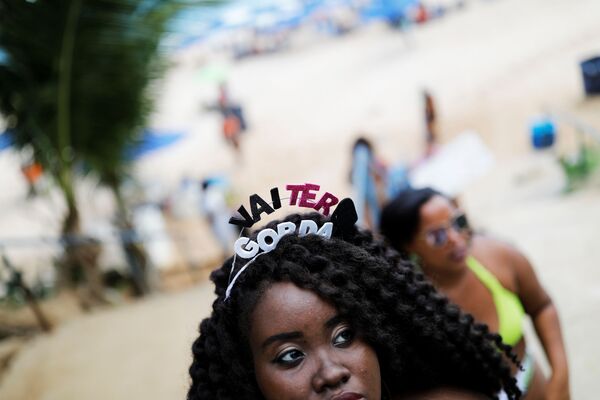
(275, 198)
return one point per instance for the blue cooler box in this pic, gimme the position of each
(543, 133)
(590, 70)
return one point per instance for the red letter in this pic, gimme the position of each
(295, 189)
(307, 196)
(328, 200)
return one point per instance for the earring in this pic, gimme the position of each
(416, 262)
(414, 258)
(386, 394)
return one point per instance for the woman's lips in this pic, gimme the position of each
(458, 255)
(348, 396)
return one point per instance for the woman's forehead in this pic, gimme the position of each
(286, 307)
(437, 209)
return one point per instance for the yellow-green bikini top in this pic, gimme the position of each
(508, 306)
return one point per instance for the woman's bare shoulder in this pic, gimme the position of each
(443, 394)
(486, 247)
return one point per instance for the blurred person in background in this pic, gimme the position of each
(431, 133)
(368, 178)
(485, 277)
(228, 106)
(217, 212)
(32, 172)
(233, 121)
(231, 130)
(421, 13)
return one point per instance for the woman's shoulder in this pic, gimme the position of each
(485, 247)
(500, 258)
(444, 394)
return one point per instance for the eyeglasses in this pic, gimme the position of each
(438, 237)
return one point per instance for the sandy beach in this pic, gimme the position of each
(492, 67)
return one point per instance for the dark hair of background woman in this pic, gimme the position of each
(403, 211)
(422, 341)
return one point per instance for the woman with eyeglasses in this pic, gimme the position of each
(485, 277)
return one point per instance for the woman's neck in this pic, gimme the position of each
(448, 280)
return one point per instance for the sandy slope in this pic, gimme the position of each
(136, 352)
(491, 68)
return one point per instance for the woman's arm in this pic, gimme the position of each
(543, 313)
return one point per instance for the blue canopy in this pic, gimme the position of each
(387, 9)
(6, 140)
(152, 141)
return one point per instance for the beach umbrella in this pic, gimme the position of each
(6, 140)
(237, 17)
(386, 9)
(280, 18)
(152, 141)
(190, 33)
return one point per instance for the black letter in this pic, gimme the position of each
(247, 222)
(256, 200)
(275, 198)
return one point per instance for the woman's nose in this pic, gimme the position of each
(330, 373)
(455, 236)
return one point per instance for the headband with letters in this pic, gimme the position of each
(342, 219)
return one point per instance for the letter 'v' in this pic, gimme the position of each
(247, 220)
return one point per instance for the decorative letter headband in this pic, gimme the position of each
(342, 219)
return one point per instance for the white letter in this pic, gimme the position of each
(263, 235)
(326, 230)
(307, 226)
(245, 253)
(285, 228)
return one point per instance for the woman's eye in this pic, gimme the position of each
(343, 337)
(290, 357)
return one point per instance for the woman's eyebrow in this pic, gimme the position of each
(281, 337)
(334, 321)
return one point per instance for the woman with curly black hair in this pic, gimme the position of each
(340, 317)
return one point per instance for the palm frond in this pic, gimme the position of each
(115, 56)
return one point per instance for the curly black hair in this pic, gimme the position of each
(422, 340)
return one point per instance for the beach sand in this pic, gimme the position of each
(491, 68)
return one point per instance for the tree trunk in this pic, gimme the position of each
(17, 281)
(134, 250)
(79, 268)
